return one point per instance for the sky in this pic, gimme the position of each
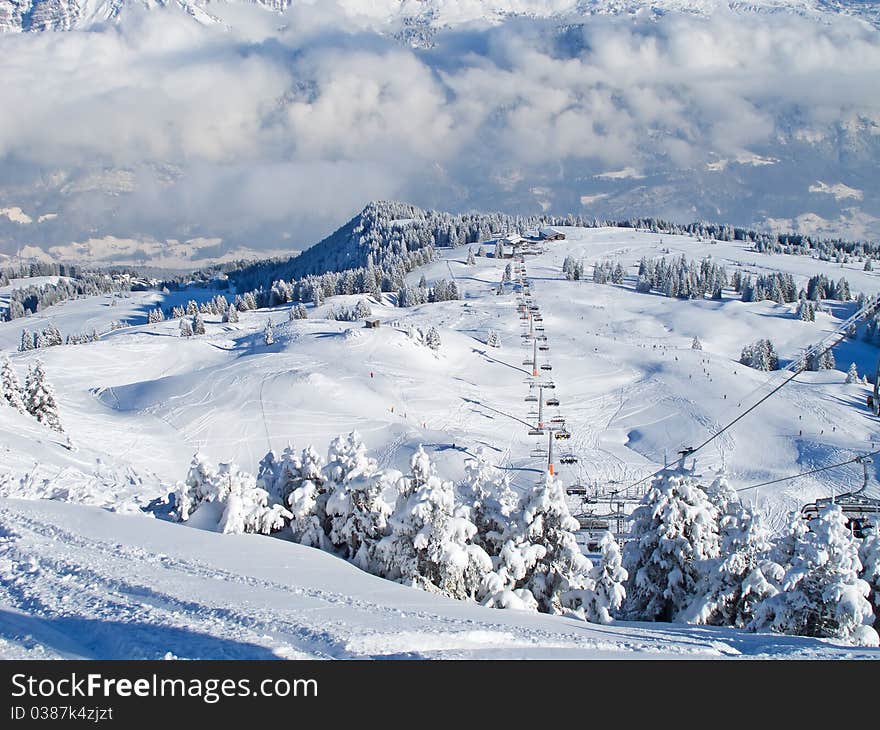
(270, 131)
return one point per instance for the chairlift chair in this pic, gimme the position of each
(552, 401)
(562, 434)
(546, 366)
(568, 459)
(536, 432)
(531, 399)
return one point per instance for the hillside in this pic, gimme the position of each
(140, 401)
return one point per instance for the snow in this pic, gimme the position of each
(141, 401)
(80, 582)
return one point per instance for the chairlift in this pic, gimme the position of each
(860, 511)
(546, 366)
(568, 459)
(562, 434)
(531, 399)
(536, 432)
(557, 419)
(544, 348)
(549, 384)
(552, 401)
(538, 453)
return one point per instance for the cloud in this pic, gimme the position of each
(271, 130)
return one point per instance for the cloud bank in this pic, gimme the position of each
(259, 134)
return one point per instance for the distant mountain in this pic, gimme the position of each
(412, 20)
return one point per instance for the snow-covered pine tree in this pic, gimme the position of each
(869, 555)
(432, 339)
(269, 333)
(822, 594)
(10, 388)
(429, 545)
(27, 341)
(195, 489)
(185, 328)
(516, 560)
(852, 375)
(696, 344)
(560, 579)
(742, 576)
(231, 314)
(358, 514)
(307, 501)
(471, 261)
(39, 398)
(198, 326)
(674, 533)
(246, 506)
(609, 578)
(760, 355)
(362, 309)
(493, 340)
(492, 503)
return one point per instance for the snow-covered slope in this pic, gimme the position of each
(138, 403)
(77, 582)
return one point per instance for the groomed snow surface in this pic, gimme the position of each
(88, 567)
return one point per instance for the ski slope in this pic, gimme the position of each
(78, 582)
(138, 403)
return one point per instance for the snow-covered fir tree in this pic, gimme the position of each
(609, 583)
(493, 340)
(185, 328)
(432, 338)
(39, 397)
(492, 504)
(27, 341)
(195, 489)
(696, 344)
(429, 545)
(10, 389)
(760, 355)
(822, 593)
(269, 333)
(358, 513)
(821, 361)
(560, 579)
(241, 505)
(674, 534)
(471, 261)
(362, 309)
(230, 314)
(198, 325)
(869, 555)
(307, 499)
(852, 375)
(742, 576)
(246, 506)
